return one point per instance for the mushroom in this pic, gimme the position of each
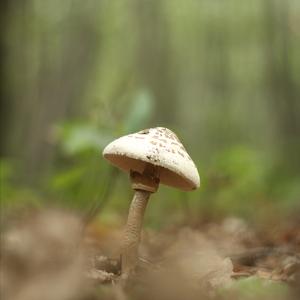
(151, 156)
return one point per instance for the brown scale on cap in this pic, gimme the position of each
(180, 153)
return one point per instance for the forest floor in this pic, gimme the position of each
(47, 255)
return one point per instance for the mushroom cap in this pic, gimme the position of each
(160, 147)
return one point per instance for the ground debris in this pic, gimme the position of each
(41, 258)
(100, 276)
(45, 256)
(109, 265)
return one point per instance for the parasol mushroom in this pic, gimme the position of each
(151, 156)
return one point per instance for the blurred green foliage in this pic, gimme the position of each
(14, 196)
(255, 288)
(90, 177)
(246, 182)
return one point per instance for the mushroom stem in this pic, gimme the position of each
(144, 184)
(133, 229)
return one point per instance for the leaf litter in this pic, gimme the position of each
(46, 255)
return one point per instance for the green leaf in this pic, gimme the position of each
(140, 112)
(255, 288)
(78, 138)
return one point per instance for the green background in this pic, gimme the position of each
(223, 75)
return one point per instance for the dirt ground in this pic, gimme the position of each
(48, 255)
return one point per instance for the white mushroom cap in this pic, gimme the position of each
(160, 147)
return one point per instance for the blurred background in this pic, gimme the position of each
(223, 75)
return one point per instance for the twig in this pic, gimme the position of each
(99, 205)
(249, 257)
